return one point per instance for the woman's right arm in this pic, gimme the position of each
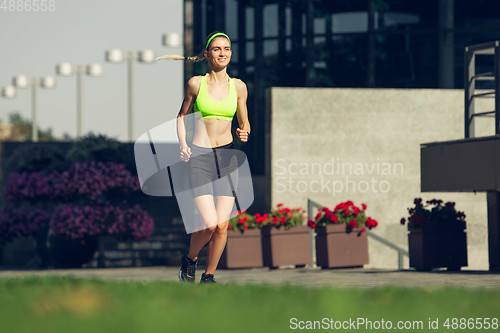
(189, 99)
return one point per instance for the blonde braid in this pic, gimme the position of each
(178, 57)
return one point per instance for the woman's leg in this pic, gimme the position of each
(224, 205)
(206, 208)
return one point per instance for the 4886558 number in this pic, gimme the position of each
(28, 5)
(471, 323)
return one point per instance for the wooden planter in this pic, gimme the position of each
(433, 246)
(243, 250)
(337, 248)
(286, 247)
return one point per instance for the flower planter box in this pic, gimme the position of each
(243, 250)
(433, 246)
(336, 248)
(286, 247)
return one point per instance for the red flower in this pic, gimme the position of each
(417, 201)
(353, 223)
(311, 224)
(356, 211)
(371, 223)
(245, 227)
(241, 221)
(403, 221)
(287, 210)
(435, 202)
(279, 205)
(283, 219)
(362, 230)
(334, 218)
(229, 226)
(257, 214)
(260, 218)
(346, 212)
(363, 206)
(280, 211)
(246, 218)
(349, 203)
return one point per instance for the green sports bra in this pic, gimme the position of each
(209, 108)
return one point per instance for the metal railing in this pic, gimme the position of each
(471, 77)
(312, 234)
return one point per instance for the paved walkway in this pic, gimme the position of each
(340, 278)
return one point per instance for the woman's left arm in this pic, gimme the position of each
(243, 130)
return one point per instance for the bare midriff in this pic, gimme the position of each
(212, 132)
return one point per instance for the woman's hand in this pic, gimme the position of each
(185, 153)
(242, 135)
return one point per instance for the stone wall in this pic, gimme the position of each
(333, 145)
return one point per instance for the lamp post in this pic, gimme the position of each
(8, 92)
(22, 81)
(118, 56)
(67, 69)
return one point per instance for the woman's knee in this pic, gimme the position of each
(221, 228)
(211, 229)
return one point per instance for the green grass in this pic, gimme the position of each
(54, 304)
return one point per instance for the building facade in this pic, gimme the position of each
(341, 44)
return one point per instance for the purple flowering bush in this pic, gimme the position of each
(90, 184)
(34, 185)
(93, 179)
(74, 221)
(20, 223)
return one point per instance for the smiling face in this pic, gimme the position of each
(219, 52)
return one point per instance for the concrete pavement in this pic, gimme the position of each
(337, 278)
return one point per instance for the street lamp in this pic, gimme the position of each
(118, 56)
(67, 69)
(9, 92)
(172, 39)
(22, 81)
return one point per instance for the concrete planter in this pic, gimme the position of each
(286, 247)
(433, 246)
(337, 248)
(243, 250)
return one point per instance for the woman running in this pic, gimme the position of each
(216, 98)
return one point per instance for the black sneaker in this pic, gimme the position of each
(188, 269)
(207, 278)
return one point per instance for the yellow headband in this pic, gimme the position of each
(217, 35)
